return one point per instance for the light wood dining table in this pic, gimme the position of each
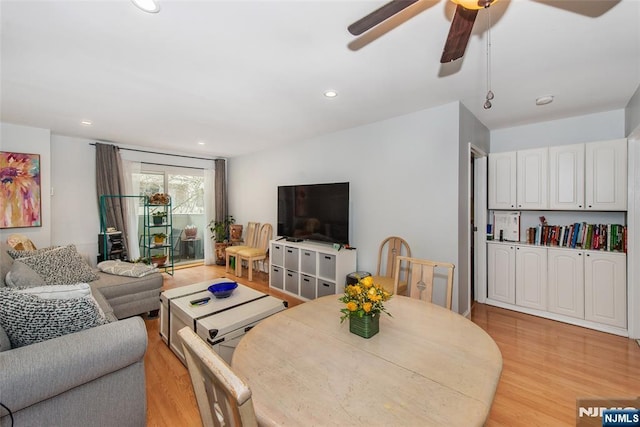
(426, 366)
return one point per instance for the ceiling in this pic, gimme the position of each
(244, 76)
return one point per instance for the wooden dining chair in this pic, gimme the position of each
(421, 278)
(390, 248)
(224, 399)
(250, 241)
(253, 255)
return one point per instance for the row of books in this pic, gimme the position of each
(605, 237)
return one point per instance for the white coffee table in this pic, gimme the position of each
(221, 322)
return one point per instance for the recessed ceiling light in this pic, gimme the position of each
(200, 142)
(149, 6)
(544, 100)
(86, 122)
(330, 93)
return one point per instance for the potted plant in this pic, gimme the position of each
(158, 217)
(219, 234)
(158, 259)
(363, 306)
(158, 238)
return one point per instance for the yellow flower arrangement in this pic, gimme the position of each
(363, 298)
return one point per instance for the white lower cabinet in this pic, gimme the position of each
(563, 284)
(501, 271)
(531, 277)
(566, 282)
(605, 285)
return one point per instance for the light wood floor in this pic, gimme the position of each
(547, 365)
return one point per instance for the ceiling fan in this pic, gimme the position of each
(465, 16)
(459, 33)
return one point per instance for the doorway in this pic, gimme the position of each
(477, 215)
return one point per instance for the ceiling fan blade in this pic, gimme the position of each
(378, 16)
(459, 34)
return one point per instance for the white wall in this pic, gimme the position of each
(75, 217)
(23, 139)
(587, 128)
(403, 175)
(632, 128)
(474, 132)
(632, 114)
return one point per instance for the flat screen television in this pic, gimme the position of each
(317, 212)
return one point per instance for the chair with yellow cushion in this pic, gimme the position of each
(250, 241)
(390, 248)
(253, 255)
(424, 275)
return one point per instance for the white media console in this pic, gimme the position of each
(309, 270)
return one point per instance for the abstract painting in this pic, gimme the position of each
(19, 190)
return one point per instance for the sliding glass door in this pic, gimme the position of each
(186, 188)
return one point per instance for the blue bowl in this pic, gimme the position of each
(222, 290)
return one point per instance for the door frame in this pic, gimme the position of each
(479, 271)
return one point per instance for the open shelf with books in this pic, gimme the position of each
(580, 235)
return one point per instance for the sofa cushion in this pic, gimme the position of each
(5, 343)
(77, 290)
(5, 261)
(28, 319)
(126, 268)
(61, 266)
(21, 275)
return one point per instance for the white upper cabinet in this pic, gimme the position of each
(566, 177)
(591, 176)
(606, 175)
(532, 174)
(502, 180)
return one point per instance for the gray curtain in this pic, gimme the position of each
(110, 181)
(222, 209)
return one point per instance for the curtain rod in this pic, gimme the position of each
(172, 166)
(156, 152)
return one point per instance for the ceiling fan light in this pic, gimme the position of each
(150, 6)
(544, 100)
(474, 4)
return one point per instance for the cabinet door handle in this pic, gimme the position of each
(327, 257)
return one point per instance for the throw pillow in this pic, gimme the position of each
(28, 319)
(20, 242)
(77, 290)
(61, 266)
(21, 275)
(126, 268)
(20, 253)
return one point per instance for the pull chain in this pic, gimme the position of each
(490, 96)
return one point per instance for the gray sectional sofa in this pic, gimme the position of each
(92, 377)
